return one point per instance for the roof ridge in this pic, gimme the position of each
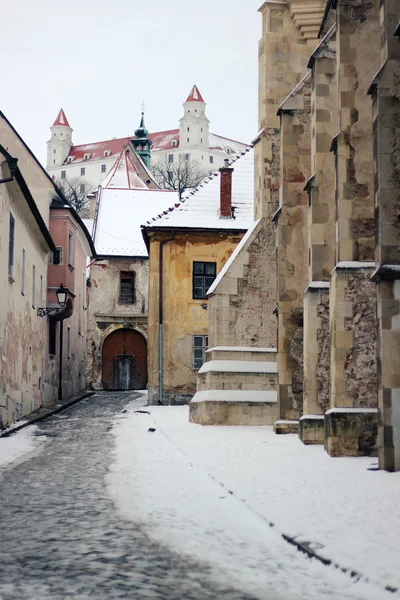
(205, 180)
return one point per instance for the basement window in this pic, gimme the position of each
(204, 274)
(200, 346)
(126, 287)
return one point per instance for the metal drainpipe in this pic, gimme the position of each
(60, 366)
(160, 322)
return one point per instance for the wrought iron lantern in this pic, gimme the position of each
(62, 301)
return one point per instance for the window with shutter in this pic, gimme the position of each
(127, 287)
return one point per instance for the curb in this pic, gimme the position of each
(50, 412)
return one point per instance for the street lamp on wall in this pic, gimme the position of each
(62, 301)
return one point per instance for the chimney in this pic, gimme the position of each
(225, 208)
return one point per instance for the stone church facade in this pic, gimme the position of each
(327, 194)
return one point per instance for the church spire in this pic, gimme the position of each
(141, 142)
(61, 120)
(195, 95)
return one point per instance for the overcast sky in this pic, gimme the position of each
(101, 59)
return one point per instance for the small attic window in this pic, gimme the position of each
(173, 143)
(106, 153)
(86, 156)
(69, 160)
(228, 150)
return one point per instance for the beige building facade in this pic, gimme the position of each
(43, 244)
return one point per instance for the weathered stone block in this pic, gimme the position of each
(312, 429)
(281, 427)
(351, 432)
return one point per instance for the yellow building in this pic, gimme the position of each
(188, 246)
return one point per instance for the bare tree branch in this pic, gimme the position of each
(180, 174)
(76, 190)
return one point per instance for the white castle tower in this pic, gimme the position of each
(60, 143)
(194, 125)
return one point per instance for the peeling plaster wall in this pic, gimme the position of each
(183, 316)
(23, 352)
(106, 314)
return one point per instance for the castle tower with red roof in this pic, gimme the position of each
(194, 125)
(60, 143)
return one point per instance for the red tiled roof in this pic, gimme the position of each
(162, 140)
(124, 175)
(61, 119)
(195, 95)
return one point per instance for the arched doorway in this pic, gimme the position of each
(124, 361)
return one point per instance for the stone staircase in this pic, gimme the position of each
(236, 386)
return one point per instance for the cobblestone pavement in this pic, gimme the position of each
(60, 535)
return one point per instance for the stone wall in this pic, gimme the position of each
(292, 264)
(353, 337)
(106, 314)
(240, 311)
(385, 92)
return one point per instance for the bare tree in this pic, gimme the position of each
(180, 174)
(76, 190)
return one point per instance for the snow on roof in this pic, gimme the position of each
(61, 119)
(232, 258)
(217, 142)
(239, 366)
(161, 140)
(88, 224)
(195, 95)
(266, 396)
(124, 175)
(120, 214)
(240, 349)
(200, 209)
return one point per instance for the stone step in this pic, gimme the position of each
(245, 353)
(237, 375)
(234, 407)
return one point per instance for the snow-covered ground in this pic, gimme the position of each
(213, 492)
(19, 446)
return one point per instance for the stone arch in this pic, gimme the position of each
(124, 359)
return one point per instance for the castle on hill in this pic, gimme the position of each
(94, 160)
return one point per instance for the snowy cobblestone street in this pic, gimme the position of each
(98, 507)
(60, 534)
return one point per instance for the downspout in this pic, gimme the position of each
(160, 321)
(60, 366)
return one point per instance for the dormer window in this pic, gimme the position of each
(106, 153)
(86, 157)
(228, 150)
(173, 143)
(69, 160)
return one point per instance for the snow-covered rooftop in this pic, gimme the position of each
(200, 209)
(124, 202)
(124, 175)
(161, 140)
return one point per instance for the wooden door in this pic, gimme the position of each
(123, 373)
(124, 361)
